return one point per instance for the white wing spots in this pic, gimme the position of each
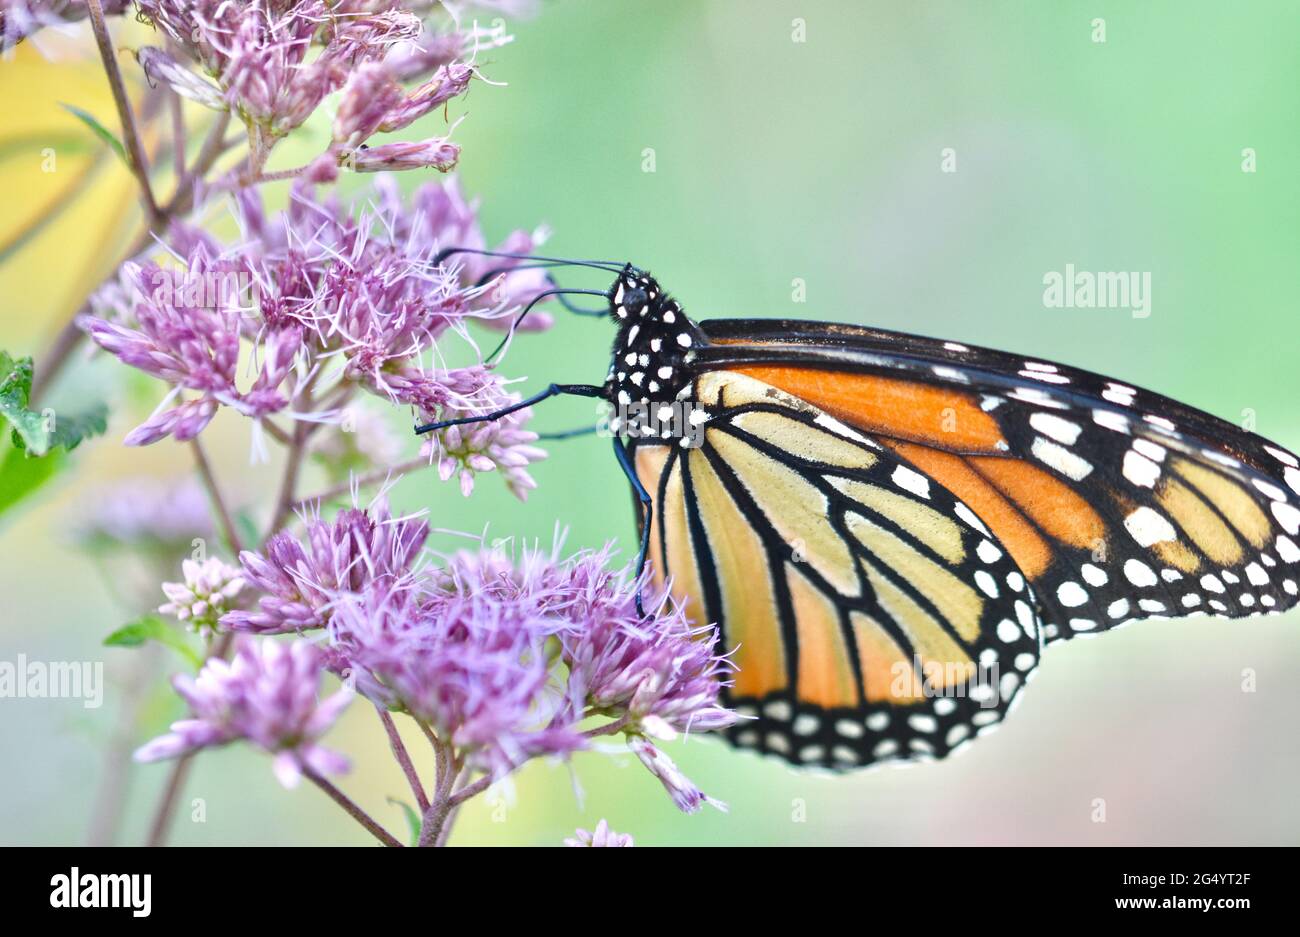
(955, 346)
(987, 552)
(1055, 427)
(1140, 470)
(957, 734)
(1270, 491)
(1118, 393)
(1045, 377)
(1039, 398)
(1287, 549)
(805, 724)
(1159, 422)
(885, 748)
(1256, 575)
(1069, 464)
(1289, 585)
(1008, 631)
(1082, 624)
(969, 517)
(1071, 594)
(1283, 456)
(986, 583)
(1170, 575)
(835, 426)
(1153, 451)
(1094, 576)
(1118, 608)
(989, 403)
(1191, 600)
(1151, 605)
(850, 729)
(1210, 583)
(1025, 615)
(1015, 581)
(1111, 420)
(922, 723)
(911, 481)
(683, 338)
(950, 374)
(1025, 661)
(1139, 573)
(1149, 527)
(1287, 516)
(778, 710)
(877, 722)
(1039, 366)
(669, 317)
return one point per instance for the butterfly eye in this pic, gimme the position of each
(634, 299)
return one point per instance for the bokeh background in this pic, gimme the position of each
(774, 159)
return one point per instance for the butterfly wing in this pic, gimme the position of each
(873, 615)
(1116, 503)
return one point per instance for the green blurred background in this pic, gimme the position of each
(820, 160)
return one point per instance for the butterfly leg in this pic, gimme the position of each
(625, 463)
(554, 390)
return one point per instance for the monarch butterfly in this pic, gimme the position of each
(889, 529)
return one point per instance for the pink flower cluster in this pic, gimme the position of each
(504, 660)
(327, 298)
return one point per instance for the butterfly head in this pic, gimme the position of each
(653, 351)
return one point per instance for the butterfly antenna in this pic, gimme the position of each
(537, 299)
(610, 266)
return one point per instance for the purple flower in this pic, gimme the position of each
(185, 329)
(472, 667)
(662, 672)
(602, 836)
(268, 694)
(687, 797)
(160, 66)
(358, 551)
(435, 153)
(204, 596)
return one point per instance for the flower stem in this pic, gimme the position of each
(130, 133)
(342, 799)
(403, 758)
(214, 493)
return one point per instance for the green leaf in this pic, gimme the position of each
(20, 475)
(153, 628)
(413, 819)
(71, 431)
(38, 433)
(29, 430)
(100, 130)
